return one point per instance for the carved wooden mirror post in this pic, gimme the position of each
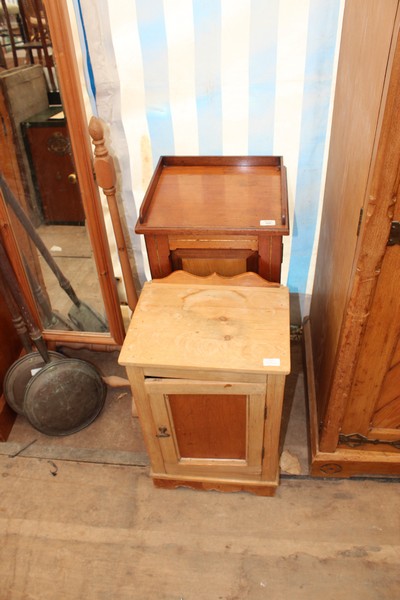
(106, 179)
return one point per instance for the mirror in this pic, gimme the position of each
(57, 237)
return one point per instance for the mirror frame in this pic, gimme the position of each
(73, 106)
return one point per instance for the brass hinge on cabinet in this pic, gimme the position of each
(354, 440)
(394, 235)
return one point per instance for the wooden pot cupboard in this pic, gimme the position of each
(353, 332)
(216, 214)
(207, 359)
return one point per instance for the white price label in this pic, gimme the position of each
(271, 362)
(267, 222)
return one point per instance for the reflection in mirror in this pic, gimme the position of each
(40, 186)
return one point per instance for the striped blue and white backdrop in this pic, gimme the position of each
(219, 77)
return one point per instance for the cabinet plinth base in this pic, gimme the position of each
(342, 462)
(264, 489)
(352, 463)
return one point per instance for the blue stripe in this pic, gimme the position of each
(88, 72)
(262, 75)
(88, 61)
(322, 31)
(207, 36)
(153, 40)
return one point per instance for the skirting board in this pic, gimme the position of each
(343, 462)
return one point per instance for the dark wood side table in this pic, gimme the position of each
(216, 214)
(49, 151)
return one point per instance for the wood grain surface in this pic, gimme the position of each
(209, 327)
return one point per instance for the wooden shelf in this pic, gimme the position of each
(224, 214)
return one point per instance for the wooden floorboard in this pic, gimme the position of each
(81, 520)
(98, 531)
(91, 455)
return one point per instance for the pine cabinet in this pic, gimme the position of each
(353, 332)
(207, 360)
(216, 214)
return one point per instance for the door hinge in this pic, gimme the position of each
(394, 235)
(262, 453)
(265, 412)
(360, 221)
(354, 440)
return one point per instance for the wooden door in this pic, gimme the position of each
(353, 336)
(374, 405)
(55, 176)
(209, 428)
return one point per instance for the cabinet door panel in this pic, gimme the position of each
(209, 427)
(387, 409)
(375, 399)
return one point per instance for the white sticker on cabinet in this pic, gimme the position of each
(271, 362)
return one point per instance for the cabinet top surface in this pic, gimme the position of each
(216, 193)
(209, 327)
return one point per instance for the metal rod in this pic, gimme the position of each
(37, 240)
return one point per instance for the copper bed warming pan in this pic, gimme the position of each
(64, 397)
(58, 395)
(19, 375)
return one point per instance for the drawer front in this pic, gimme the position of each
(209, 428)
(221, 242)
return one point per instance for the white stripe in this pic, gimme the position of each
(181, 69)
(235, 18)
(81, 58)
(311, 272)
(291, 56)
(129, 65)
(128, 58)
